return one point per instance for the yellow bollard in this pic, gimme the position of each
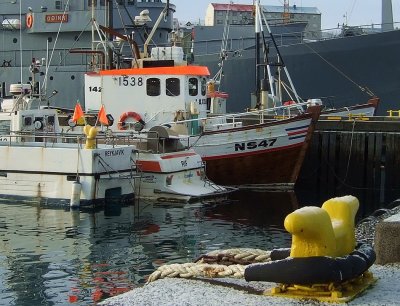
(312, 232)
(326, 231)
(342, 212)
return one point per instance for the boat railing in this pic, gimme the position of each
(41, 139)
(63, 57)
(144, 141)
(271, 113)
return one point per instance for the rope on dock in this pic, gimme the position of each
(191, 269)
(243, 256)
(219, 263)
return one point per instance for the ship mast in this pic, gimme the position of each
(93, 2)
(110, 25)
(257, 55)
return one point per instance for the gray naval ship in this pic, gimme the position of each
(57, 37)
(342, 69)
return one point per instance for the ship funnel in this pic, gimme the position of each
(387, 15)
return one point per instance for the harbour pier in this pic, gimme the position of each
(360, 154)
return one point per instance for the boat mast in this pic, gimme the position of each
(110, 25)
(20, 40)
(257, 55)
(280, 60)
(93, 2)
(163, 14)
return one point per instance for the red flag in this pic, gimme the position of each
(78, 112)
(102, 116)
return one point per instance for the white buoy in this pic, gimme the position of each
(75, 194)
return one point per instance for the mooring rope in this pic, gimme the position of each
(219, 263)
(189, 270)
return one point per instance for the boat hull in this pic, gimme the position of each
(268, 167)
(46, 175)
(268, 154)
(175, 177)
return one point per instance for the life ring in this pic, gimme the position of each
(29, 21)
(125, 116)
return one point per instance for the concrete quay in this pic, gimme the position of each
(382, 231)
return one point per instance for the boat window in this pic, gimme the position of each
(193, 86)
(203, 86)
(173, 87)
(153, 87)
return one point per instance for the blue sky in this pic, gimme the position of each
(333, 12)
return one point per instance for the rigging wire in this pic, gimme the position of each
(352, 8)
(20, 38)
(124, 27)
(44, 86)
(223, 51)
(363, 89)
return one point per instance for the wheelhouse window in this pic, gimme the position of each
(153, 87)
(193, 86)
(173, 87)
(203, 86)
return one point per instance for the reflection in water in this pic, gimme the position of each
(56, 257)
(53, 256)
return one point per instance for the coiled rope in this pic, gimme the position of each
(219, 263)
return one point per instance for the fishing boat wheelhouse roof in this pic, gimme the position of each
(176, 70)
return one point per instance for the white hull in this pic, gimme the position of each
(253, 139)
(177, 176)
(46, 174)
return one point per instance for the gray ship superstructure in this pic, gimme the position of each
(342, 69)
(58, 34)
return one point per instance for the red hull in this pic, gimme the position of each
(280, 167)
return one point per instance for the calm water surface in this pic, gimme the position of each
(58, 257)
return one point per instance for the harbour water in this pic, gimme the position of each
(60, 257)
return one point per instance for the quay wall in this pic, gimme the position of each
(360, 157)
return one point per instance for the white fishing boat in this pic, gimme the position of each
(87, 167)
(162, 90)
(42, 164)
